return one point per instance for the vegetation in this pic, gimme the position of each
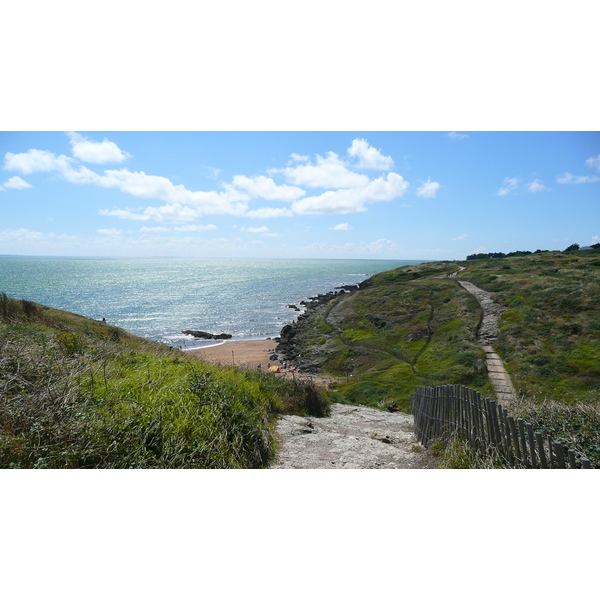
(402, 328)
(77, 393)
(412, 326)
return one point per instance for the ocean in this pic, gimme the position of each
(158, 298)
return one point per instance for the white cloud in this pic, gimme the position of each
(369, 157)
(36, 160)
(341, 227)
(428, 189)
(27, 236)
(272, 234)
(570, 178)
(459, 238)
(269, 213)
(299, 157)
(595, 239)
(593, 162)
(379, 246)
(96, 152)
(111, 232)
(345, 201)
(153, 229)
(328, 172)
(209, 227)
(262, 229)
(260, 186)
(537, 186)
(15, 183)
(454, 135)
(510, 185)
(182, 203)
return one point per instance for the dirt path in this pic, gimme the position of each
(486, 336)
(353, 437)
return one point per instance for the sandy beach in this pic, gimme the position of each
(248, 355)
(245, 354)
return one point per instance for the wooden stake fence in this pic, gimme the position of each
(445, 411)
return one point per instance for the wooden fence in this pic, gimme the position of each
(445, 411)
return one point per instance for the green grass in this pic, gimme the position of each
(549, 334)
(77, 393)
(398, 331)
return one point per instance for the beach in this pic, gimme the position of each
(247, 354)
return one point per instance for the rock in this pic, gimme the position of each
(207, 336)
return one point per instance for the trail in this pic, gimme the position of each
(353, 437)
(486, 336)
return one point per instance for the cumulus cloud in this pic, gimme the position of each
(35, 160)
(537, 186)
(352, 200)
(111, 232)
(510, 185)
(454, 135)
(379, 246)
(459, 238)
(328, 172)
(428, 189)
(208, 227)
(269, 213)
(341, 227)
(262, 229)
(299, 157)
(153, 229)
(593, 162)
(28, 238)
(260, 186)
(369, 157)
(96, 152)
(15, 183)
(570, 178)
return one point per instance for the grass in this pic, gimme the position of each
(400, 330)
(77, 393)
(550, 333)
(410, 327)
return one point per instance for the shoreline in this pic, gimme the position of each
(247, 354)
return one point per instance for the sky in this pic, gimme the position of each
(437, 195)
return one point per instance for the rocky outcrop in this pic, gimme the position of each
(207, 336)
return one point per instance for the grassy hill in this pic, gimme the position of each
(77, 393)
(413, 326)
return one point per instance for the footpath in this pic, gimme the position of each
(353, 437)
(358, 437)
(486, 336)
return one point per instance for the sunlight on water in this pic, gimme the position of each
(159, 297)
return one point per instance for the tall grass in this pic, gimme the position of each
(74, 395)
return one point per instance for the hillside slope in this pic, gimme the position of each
(77, 393)
(413, 326)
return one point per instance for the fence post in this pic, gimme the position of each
(531, 445)
(560, 455)
(540, 444)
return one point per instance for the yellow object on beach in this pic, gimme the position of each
(273, 369)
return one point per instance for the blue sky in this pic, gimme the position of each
(389, 195)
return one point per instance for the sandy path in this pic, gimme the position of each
(488, 332)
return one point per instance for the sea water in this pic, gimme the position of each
(159, 298)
